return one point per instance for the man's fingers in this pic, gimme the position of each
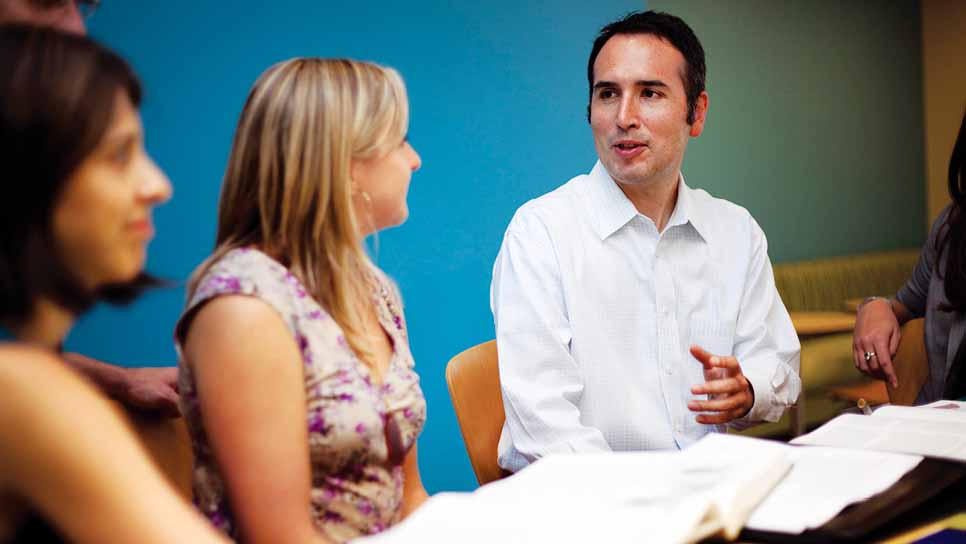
(715, 405)
(709, 360)
(719, 418)
(703, 356)
(729, 363)
(717, 387)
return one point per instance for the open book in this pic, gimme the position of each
(934, 430)
(709, 489)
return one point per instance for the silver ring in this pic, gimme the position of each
(869, 355)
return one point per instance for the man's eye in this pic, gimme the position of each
(650, 93)
(604, 94)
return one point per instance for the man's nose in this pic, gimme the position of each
(629, 114)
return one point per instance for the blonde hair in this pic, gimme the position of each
(287, 188)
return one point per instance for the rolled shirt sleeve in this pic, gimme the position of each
(766, 344)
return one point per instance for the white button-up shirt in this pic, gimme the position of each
(595, 311)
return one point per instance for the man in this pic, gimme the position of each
(633, 312)
(151, 389)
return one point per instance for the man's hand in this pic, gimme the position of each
(730, 395)
(148, 389)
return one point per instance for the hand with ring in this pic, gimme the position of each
(876, 340)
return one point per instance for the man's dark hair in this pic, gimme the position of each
(669, 28)
(57, 100)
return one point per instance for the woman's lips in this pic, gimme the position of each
(142, 229)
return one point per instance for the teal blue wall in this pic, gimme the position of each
(498, 93)
(816, 120)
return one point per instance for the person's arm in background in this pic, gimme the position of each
(71, 457)
(146, 388)
(877, 321)
(766, 353)
(251, 392)
(540, 380)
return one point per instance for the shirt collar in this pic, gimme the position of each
(611, 205)
(614, 209)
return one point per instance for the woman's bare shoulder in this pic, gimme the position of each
(22, 363)
(37, 383)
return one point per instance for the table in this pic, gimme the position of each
(815, 323)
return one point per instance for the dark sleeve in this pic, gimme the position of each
(913, 294)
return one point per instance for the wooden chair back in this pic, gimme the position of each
(473, 378)
(911, 364)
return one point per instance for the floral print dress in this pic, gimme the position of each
(359, 431)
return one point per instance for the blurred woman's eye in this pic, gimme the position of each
(121, 155)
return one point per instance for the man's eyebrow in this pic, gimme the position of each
(639, 83)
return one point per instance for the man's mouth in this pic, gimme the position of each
(629, 148)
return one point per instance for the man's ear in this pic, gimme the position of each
(700, 113)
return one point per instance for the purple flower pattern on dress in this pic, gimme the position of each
(354, 492)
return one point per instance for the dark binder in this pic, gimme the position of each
(934, 489)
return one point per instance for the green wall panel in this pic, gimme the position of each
(815, 120)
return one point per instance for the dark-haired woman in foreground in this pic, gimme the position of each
(936, 290)
(74, 226)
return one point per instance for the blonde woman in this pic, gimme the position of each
(296, 377)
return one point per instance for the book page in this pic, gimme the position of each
(945, 411)
(921, 431)
(822, 482)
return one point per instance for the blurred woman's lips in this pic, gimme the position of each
(142, 228)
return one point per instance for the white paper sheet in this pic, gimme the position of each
(934, 430)
(822, 482)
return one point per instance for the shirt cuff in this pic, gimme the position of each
(773, 395)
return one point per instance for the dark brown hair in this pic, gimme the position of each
(952, 235)
(57, 97)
